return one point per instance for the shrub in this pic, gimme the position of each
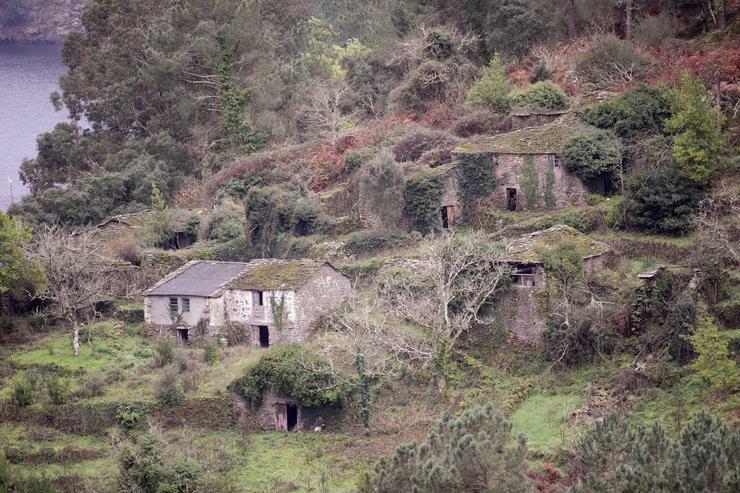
(165, 351)
(371, 241)
(211, 352)
(422, 197)
(6, 324)
(168, 389)
(480, 122)
(475, 451)
(282, 369)
(353, 160)
(540, 95)
(426, 83)
(22, 391)
(411, 147)
(653, 29)
(492, 90)
(592, 153)
(660, 202)
(439, 45)
(540, 72)
(94, 385)
(382, 185)
(609, 61)
(225, 224)
(128, 416)
(639, 112)
(57, 389)
(512, 27)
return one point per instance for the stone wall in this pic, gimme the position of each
(567, 188)
(322, 294)
(157, 319)
(520, 313)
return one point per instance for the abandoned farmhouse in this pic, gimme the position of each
(272, 300)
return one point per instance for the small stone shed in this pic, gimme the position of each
(272, 300)
(281, 413)
(522, 314)
(539, 145)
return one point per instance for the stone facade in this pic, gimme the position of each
(273, 413)
(567, 188)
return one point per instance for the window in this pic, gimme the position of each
(556, 160)
(185, 303)
(173, 305)
(257, 298)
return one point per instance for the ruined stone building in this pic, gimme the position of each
(272, 300)
(521, 308)
(536, 149)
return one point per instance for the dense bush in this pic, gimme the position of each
(370, 241)
(609, 61)
(284, 370)
(660, 202)
(423, 195)
(371, 78)
(168, 388)
(353, 160)
(165, 352)
(540, 95)
(382, 186)
(639, 112)
(492, 90)
(211, 352)
(474, 451)
(57, 389)
(22, 390)
(512, 27)
(480, 122)
(224, 224)
(653, 29)
(425, 84)
(412, 146)
(128, 416)
(592, 153)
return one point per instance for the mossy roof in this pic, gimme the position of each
(274, 274)
(544, 139)
(526, 248)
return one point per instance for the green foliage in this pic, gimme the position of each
(530, 182)
(274, 210)
(713, 362)
(591, 154)
(225, 224)
(493, 89)
(211, 352)
(540, 95)
(661, 202)
(477, 176)
(549, 195)
(294, 372)
(423, 195)
(149, 465)
(59, 159)
(512, 27)
(57, 389)
(161, 226)
(563, 262)
(618, 457)
(697, 134)
(22, 390)
(439, 45)
(238, 187)
(637, 113)
(382, 185)
(17, 273)
(165, 352)
(369, 241)
(128, 416)
(168, 388)
(609, 61)
(471, 452)
(279, 311)
(364, 383)
(353, 160)
(425, 84)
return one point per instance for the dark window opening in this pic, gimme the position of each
(264, 336)
(292, 417)
(182, 335)
(173, 305)
(448, 216)
(257, 298)
(185, 304)
(511, 199)
(556, 161)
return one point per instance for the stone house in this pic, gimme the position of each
(270, 300)
(521, 310)
(281, 413)
(538, 146)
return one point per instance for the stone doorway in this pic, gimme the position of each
(182, 335)
(264, 333)
(286, 417)
(448, 216)
(511, 199)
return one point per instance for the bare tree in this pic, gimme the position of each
(325, 108)
(446, 292)
(77, 278)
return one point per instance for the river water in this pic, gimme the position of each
(28, 74)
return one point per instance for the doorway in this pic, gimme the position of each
(182, 335)
(264, 336)
(292, 417)
(511, 199)
(448, 216)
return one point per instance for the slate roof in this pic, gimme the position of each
(526, 248)
(544, 139)
(198, 278)
(269, 274)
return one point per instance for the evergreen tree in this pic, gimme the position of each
(493, 89)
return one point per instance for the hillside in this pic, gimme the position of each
(39, 21)
(380, 246)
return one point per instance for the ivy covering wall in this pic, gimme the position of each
(477, 176)
(423, 196)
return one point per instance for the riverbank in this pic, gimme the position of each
(46, 23)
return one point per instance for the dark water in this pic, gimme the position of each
(28, 74)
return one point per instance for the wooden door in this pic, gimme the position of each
(281, 417)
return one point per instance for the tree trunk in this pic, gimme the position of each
(76, 340)
(628, 19)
